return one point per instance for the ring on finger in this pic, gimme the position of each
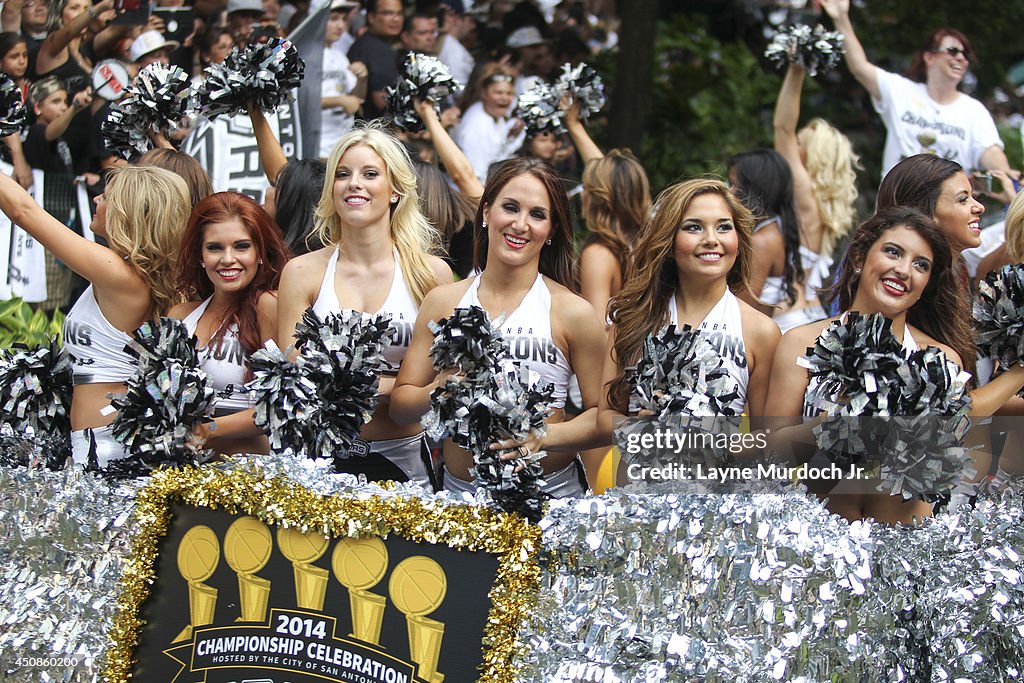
(523, 451)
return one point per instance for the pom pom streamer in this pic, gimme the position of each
(999, 316)
(539, 108)
(262, 73)
(12, 108)
(488, 402)
(909, 413)
(423, 77)
(816, 50)
(156, 101)
(167, 398)
(35, 404)
(583, 85)
(318, 404)
(466, 340)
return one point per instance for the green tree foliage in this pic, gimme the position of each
(19, 324)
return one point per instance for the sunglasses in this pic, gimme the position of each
(954, 52)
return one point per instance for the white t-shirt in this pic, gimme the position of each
(336, 79)
(457, 58)
(484, 139)
(917, 124)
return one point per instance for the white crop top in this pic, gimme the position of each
(813, 410)
(400, 305)
(96, 347)
(528, 331)
(225, 364)
(723, 327)
(773, 292)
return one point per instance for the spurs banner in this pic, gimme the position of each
(22, 259)
(238, 598)
(227, 149)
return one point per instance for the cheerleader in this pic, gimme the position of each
(379, 260)
(690, 260)
(141, 216)
(524, 249)
(898, 264)
(230, 263)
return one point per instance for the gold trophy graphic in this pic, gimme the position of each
(198, 556)
(417, 587)
(927, 139)
(302, 549)
(360, 564)
(247, 548)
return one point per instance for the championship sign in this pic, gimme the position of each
(238, 578)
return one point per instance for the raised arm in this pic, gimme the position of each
(272, 155)
(856, 59)
(55, 43)
(587, 148)
(96, 263)
(10, 16)
(455, 161)
(787, 117)
(59, 125)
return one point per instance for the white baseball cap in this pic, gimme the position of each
(245, 6)
(150, 41)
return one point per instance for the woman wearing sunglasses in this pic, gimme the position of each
(925, 114)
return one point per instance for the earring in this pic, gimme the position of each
(202, 265)
(260, 262)
(548, 243)
(857, 270)
(483, 224)
(394, 200)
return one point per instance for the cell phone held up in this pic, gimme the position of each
(981, 182)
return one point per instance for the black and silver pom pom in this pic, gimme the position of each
(287, 400)
(318, 404)
(999, 316)
(490, 401)
(261, 73)
(681, 372)
(856, 361)
(167, 398)
(35, 403)
(583, 85)
(423, 77)
(342, 355)
(540, 110)
(921, 448)
(816, 50)
(467, 340)
(156, 101)
(12, 107)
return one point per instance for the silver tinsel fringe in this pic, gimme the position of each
(640, 584)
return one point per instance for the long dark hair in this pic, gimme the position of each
(296, 194)
(916, 182)
(556, 259)
(943, 310)
(764, 184)
(193, 282)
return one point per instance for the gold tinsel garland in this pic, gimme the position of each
(284, 502)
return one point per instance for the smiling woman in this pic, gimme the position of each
(231, 260)
(925, 113)
(380, 260)
(524, 248)
(690, 261)
(898, 264)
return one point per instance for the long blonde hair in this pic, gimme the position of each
(618, 201)
(830, 162)
(146, 212)
(413, 235)
(1015, 229)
